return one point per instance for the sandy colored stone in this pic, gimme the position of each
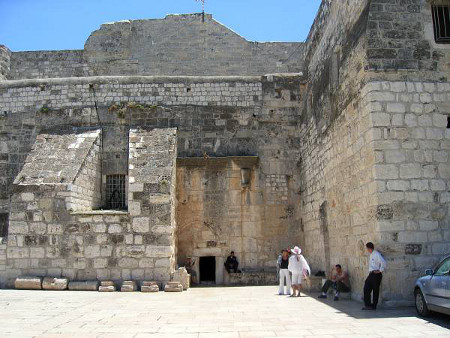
(106, 288)
(173, 287)
(128, 286)
(28, 283)
(53, 283)
(83, 286)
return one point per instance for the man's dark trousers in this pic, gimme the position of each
(338, 286)
(372, 284)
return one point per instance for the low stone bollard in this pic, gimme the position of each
(53, 283)
(173, 287)
(128, 286)
(107, 286)
(83, 286)
(28, 283)
(147, 286)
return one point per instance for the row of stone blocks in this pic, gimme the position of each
(51, 283)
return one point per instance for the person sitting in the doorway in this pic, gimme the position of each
(339, 281)
(283, 272)
(190, 262)
(231, 264)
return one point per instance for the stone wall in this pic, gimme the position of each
(48, 238)
(48, 64)
(338, 191)
(5, 62)
(401, 38)
(176, 45)
(218, 213)
(411, 172)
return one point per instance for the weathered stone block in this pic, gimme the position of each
(149, 286)
(173, 287)
(181, 275)
(51, 283)
(28, 283)
(128, 286)
(83, 286)
(106, 288)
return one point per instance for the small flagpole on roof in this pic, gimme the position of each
(203, 9)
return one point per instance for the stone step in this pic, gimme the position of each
(28, 283)
(84, 285)
(53, 283)
(107, 283)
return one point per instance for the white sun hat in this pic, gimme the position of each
(297, 250)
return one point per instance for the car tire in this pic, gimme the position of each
(421, 304)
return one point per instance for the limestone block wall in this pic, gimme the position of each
(47, 238)
(411, 141)
(338, 192)
(400, 37)
(152, 200)
(5, 62)
(48, 64)
(217, 213)
(176, 45)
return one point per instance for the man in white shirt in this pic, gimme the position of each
(377, 265)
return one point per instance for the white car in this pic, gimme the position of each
(432, 292)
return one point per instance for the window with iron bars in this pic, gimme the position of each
(115, 192)
(441, 23)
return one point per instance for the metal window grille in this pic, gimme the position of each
(3, 225)
(115, 192)
(441, 23)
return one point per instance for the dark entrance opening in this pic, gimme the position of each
(208, 270)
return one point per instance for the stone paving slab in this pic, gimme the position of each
(239, 312)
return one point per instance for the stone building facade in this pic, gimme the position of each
(168, 139)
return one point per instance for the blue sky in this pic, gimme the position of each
(66, 24)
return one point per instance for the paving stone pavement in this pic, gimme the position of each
(202, 312)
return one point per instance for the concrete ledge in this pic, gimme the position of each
(98, 80)
(28, 283)
(253, 278)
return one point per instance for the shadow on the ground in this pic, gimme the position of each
(353, 309)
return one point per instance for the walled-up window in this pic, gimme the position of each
(3, 225)
(115, 192)
(441, 23)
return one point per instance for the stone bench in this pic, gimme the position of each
(173, 287)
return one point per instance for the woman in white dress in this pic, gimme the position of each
(299, 268)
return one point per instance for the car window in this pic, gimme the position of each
(444, 268)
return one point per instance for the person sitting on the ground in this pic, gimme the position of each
(339, 282)
(190, 269)
(283, 272)
(299, 268)
(231, 264)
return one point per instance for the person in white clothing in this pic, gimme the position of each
(299, 268)
(377, 265)
(283, 271)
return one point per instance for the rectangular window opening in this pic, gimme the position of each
(448, 122)
(441, 23)
(115, 192)
(4, 218)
